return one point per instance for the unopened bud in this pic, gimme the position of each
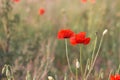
(50, 78)
(105, 31)
(77, 63)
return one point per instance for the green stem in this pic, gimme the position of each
(94, 50)
(99, 76)
(117, 72)
(110, 74)
(68, 57)
(76, 73)
(93, 63)
(81, 68)
(86, 68)
(95, 43)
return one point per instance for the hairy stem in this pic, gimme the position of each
(69, 66)
(81, 68)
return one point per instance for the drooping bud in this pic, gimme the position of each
(77, 63)
(105, 31)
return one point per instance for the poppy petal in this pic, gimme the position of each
(86, 41)
(73, 41)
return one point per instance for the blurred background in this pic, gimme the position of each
(28, 39)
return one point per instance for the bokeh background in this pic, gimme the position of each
(28, 40)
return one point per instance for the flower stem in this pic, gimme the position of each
(93, 54)
(93, 63)
(66, 47)
(81, 68)
(110, 74)
(76, 73)
(86, 68)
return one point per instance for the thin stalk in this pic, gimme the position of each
(65, 77)
(86, 68)
(91, 68)
(100, 76)
(95, 44)
(81, 68)
(69, 66)
(117, 72)
(109, 75)
(76, 73)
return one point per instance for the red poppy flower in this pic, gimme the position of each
(86, 41)
(116, 77)
(67, 33)
(112, 77)
(79, 39)
(41, 11)
(83, 1)
(16, 0)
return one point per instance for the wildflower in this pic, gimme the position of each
(80, 38)
(83, 1)
(16, 1)
(87, 40)
(66, 33)
(115, 77)
(41, 11)
(112, 77)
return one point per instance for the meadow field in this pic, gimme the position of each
(32, 46)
